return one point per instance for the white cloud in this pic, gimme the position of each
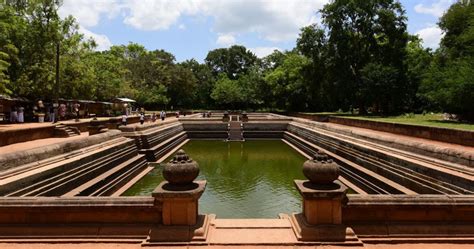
(157, 15)
(261, 52)
(88, 12)
(276, 20)
(431, 36)
(436, 9)
(225, 40)
(182, 27)
(273, 20)
(103, 42)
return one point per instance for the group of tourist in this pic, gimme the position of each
(143, 117)
(17, 115)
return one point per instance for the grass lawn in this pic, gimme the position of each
(434, 120)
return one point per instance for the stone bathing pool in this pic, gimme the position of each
(74, 189)
(251, 179)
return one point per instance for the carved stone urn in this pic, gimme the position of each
(321, 169)
(181, 170)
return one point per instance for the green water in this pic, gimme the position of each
(251, 179)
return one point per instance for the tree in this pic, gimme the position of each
(362, 32)
(234, 61)
(288, 83)
(204, 83)
(458, 26)
(9, 23)
(418, 62)
(312, 43)
(449, 81)
(227, 93)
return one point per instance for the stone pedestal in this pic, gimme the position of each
(322, 204)
(321, 219)
(180, 203)
(180, 219)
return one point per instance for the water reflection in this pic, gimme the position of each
(252, 179)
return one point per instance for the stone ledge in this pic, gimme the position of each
(14, 159)
(311, 191)
(404, 200)
(12, 202)
(192, 191)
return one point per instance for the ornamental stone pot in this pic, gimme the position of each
(321, 169)
(181, 170)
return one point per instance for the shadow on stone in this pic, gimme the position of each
(330, 186)
(184, 187)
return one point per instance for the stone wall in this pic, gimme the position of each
(61, 210)
(413, 215)
(204, 128)
(25, 134)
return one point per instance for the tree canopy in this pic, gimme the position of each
(360, 57)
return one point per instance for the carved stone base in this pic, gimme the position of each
(163, 234)
(322, 233)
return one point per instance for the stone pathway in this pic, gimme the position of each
(138, 246)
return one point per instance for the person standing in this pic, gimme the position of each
(142, 118)
(124, 120)
(162, 115)
(13, 115)
(153, 117)
(21, 114)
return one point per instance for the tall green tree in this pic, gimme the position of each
(363, 32)
(204, 83)
(312, 43)
(227, 93)
(449, 82)
(288, 84)
(234, 61)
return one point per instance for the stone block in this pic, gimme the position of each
(180, 203)
(322, 204)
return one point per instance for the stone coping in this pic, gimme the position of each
(311, 191)
(137, 201)
(23, 157)
(407, 200)
(147, 125)
(166, 190)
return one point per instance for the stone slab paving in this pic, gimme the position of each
(138, 246)
(39, 143)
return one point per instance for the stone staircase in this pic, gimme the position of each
(87, 172)
(380, 169)
(235, 131)
(62, 130)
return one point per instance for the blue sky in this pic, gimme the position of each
(190, 28)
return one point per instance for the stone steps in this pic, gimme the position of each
(235, 131)
(63, 182)
(420, 175)
(25, 176)
(112, 177)
(156, 152)
(365, 179)
(62, 130)
(432, 173)
(95, 172)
